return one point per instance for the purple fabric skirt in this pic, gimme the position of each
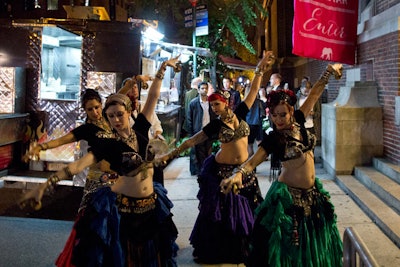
(224, 224)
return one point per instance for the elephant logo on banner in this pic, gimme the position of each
(326, 53)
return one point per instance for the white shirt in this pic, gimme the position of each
(206, 115)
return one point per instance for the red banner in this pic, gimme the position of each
(326, 29)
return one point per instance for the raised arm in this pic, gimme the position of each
(319, 86)
(154, 90)
(264, 65)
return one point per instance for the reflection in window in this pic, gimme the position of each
(61, 64)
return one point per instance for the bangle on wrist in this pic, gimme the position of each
(44, 146)
(160, 74)
(51, 182)
(176, 152)
(68, 172)
(258, 72)
(242, 170)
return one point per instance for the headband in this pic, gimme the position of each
(219, 95)
(120, 99)
(280, 96)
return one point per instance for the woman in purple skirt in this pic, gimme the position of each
(223, 226)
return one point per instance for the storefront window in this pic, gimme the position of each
(61, 64)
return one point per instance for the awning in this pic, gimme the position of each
(237, 64)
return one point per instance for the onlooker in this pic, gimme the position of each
(198, 116)
(255, 119)
(275, 81)
(303, 80)
(192, 93)
(302, 95)
(189, 95)
(234, 98)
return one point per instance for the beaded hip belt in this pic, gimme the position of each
(304, 198)
(136, 205)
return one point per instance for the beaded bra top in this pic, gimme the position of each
(298, 141)
(227, 134)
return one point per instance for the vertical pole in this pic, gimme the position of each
(194, 21)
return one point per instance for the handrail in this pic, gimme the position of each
(353, 245)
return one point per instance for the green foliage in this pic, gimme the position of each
(228, 24)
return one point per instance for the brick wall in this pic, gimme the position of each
(382, 55)
(382, 5)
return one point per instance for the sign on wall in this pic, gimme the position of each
(325, 30)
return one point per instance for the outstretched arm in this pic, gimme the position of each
(235, 181)
(34, 152)
(34, 196)
(263, 66)
(192, 141)
(319, 86)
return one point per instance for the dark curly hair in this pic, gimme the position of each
(89, 94)
(281, 96)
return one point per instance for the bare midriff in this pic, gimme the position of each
(233, 153)
(299, 172)
(139, 186)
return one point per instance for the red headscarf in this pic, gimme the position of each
(219, 95)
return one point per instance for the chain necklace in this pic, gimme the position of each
(293, 131)
(101, 124)
(228, 118)
(131, 140)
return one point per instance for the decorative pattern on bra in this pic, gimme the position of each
(295, 146)
(227, 134)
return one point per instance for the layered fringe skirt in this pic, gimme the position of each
(107, 233)
(295, 228)
(223, 227)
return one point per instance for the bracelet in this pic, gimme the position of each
(51, 182)
(176, 152)
(242, 170)
(258, 72)
(68, 172)
(160, 74)
(44, 146)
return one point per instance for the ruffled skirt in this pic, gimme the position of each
(296, 228)
(222, 229)
(105, 235)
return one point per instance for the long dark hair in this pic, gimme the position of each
(89, 94)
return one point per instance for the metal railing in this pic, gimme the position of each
(355, 252)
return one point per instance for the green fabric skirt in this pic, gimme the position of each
(296, 228)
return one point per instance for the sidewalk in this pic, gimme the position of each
(37, 242)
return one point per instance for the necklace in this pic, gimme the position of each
(130, 140)
(101, 124)
(293, 131)
(228, 118)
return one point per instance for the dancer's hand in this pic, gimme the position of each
(32, 154)
(233, 183)
(33, 197)
(266, 62)
(336, 69)
(174, 63)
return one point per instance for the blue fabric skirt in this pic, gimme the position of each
(104, 236)
(222, 229)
